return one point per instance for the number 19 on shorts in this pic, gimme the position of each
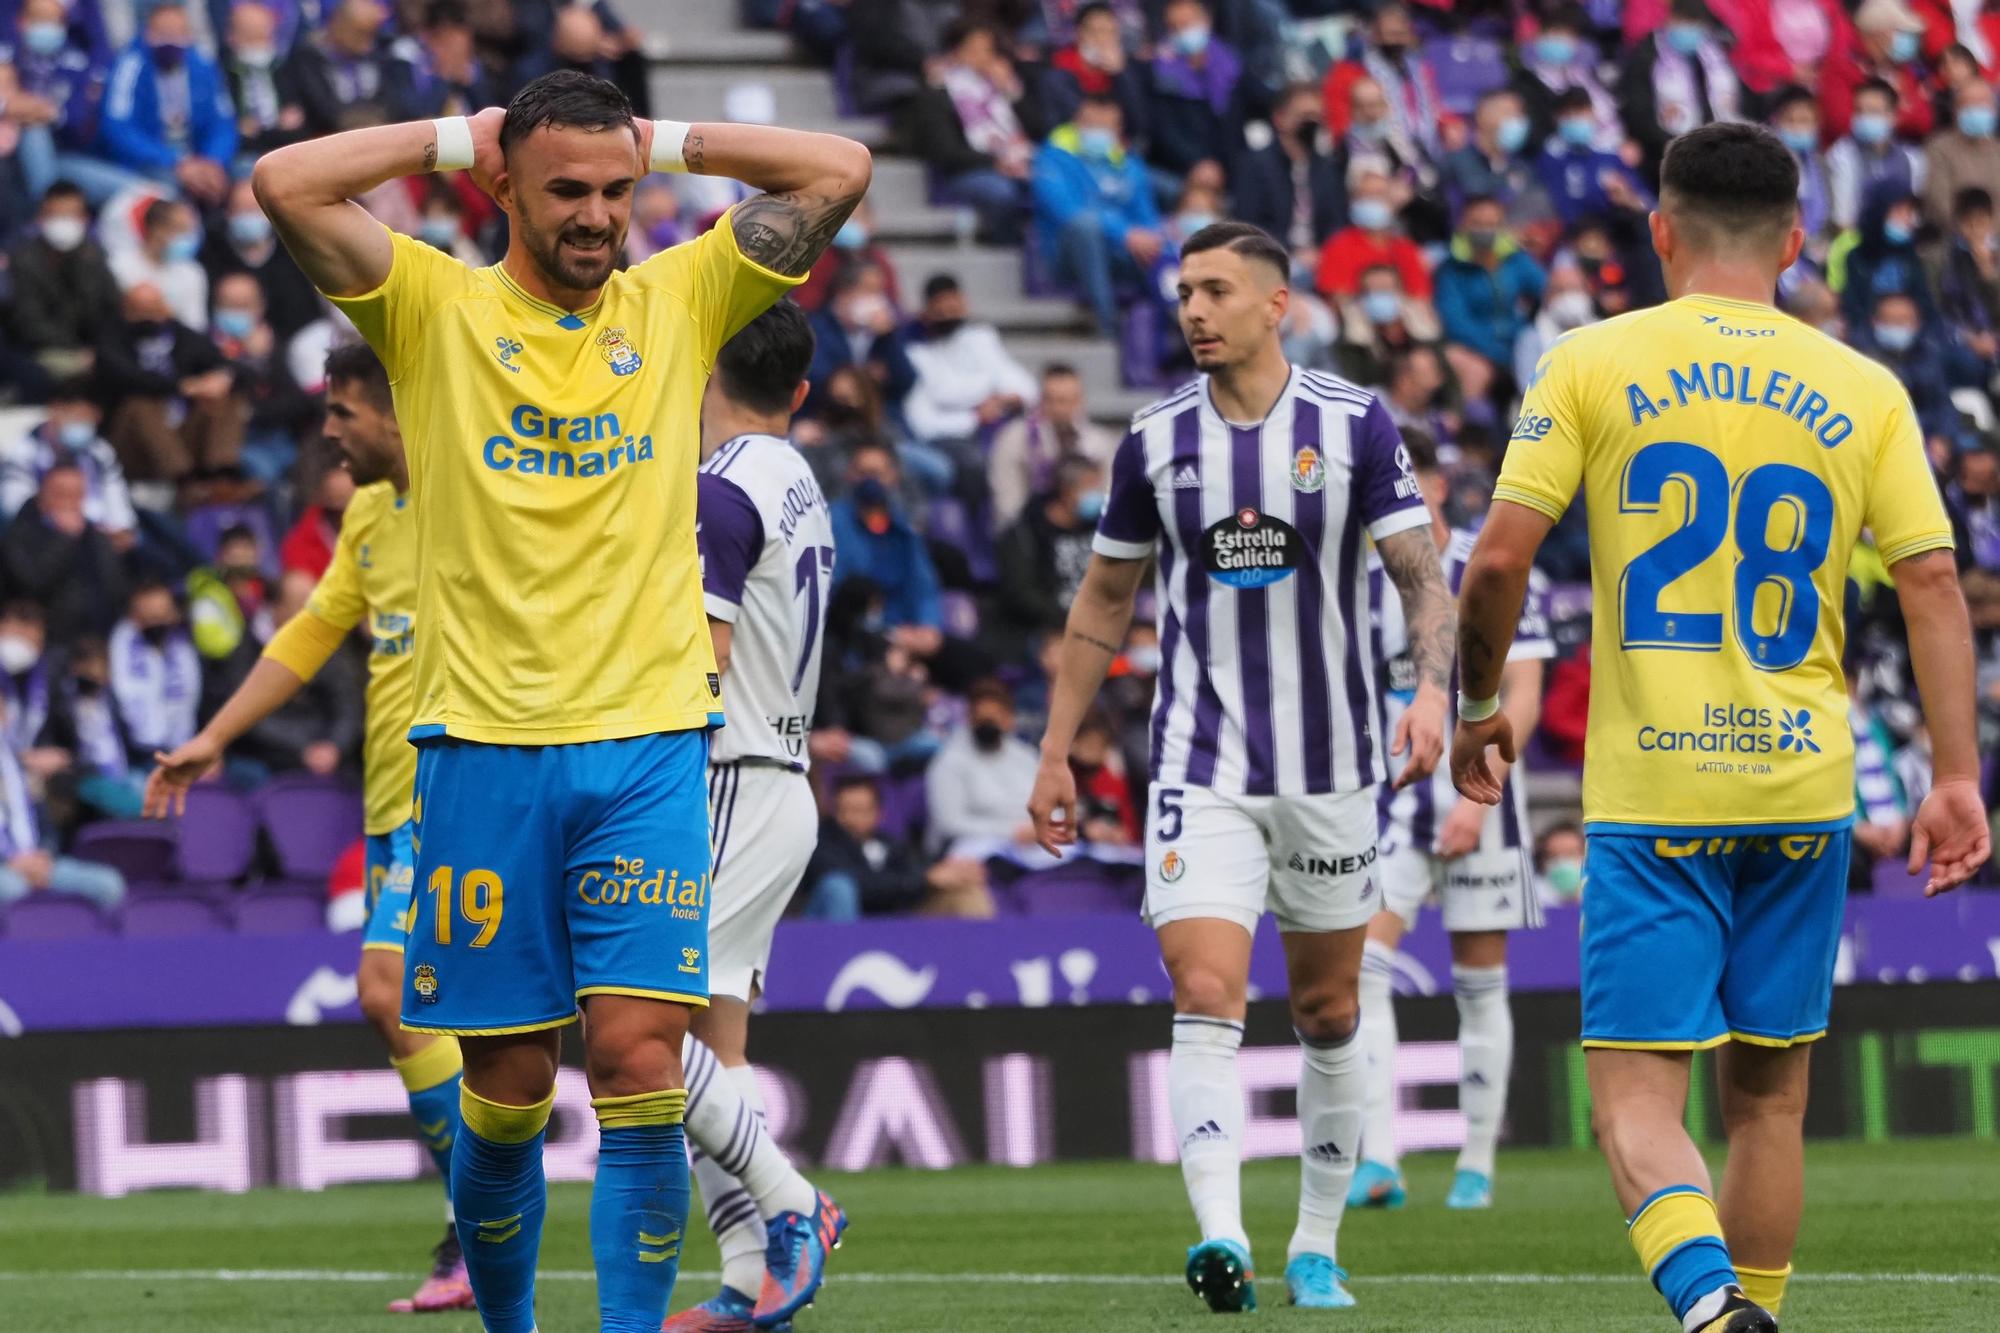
(479, 902)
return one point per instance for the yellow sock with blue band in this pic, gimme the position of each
(500, 1196)
(638, 1207)
(1766, 1286)
(431, 1078)
(1680, 1245)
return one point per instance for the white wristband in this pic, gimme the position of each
(454, 144)
(669, 138)
(1476, 710)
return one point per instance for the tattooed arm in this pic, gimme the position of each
(1410, 558)
(811, 183)
(1489, 606)
(1098, 619)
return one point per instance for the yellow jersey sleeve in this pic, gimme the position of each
(725, 289)
(1544, 461)
(393, 317)
(1905, 512)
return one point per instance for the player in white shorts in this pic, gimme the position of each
(1468, 858)
(767, 562)
(1254, 490)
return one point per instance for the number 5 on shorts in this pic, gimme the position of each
(1170, 813)
(480, 901)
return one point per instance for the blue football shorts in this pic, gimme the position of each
(389, 878)
(545, 874)
(1694, 939)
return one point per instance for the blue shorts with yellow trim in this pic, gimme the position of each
(1694, 938)
(389, 858)
(548, 873)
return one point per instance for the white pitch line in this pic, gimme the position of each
(955, 1279)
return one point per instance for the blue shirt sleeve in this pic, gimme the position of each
(730, 534)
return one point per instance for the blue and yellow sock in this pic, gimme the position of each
(1766, 1286)
(431, 1078)
(638, 1207)
(499, 1195)
(1679, 1240)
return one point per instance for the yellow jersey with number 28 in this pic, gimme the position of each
(552, 465)
(1729, 458)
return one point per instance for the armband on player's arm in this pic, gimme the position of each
(669, 146)
(304, 643)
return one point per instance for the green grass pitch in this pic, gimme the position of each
(1897, 1235)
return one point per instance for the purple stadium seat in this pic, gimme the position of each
(961, 614)
(281, 911)
(52, 916)
(1038, 271)
(173, 915)
(1071, 889)
(310, 821)
(843, 81)
(1466, 66)
(904, 808)
(135, 848)
(218, 835)
(206, 525)
(1139, 345)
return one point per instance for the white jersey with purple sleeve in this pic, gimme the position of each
(1267, 684)
(766, 568)
(1410, 817)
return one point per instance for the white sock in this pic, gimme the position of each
(1486, 1053)
(1378, 1055)
(1331, 1083)
(1207, 1103)
(745, 1178)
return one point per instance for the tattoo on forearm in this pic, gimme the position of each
(692, 149)
(430, 155)
(787, 232)
(1411, 559)
(1477, 658)
(1080, 636)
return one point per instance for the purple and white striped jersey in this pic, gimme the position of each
(1410, 817)
(1266, 685)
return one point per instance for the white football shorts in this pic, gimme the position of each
(1308, 860)
(1482, 890)
(762, 827)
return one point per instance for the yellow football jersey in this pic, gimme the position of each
(1729, 458)
(552, 465)
(374, 574)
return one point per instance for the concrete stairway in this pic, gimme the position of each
(700, 51)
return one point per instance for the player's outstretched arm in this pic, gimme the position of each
(268, 687)
(811, 183)
(1950, 829)
(1098, 619)
(308, 191)
(1490, 594)
(1410, 558)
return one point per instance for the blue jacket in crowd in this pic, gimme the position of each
(1486, 310)
(1574, 178)
(1067, 182)
(894, 559)
(71, 81)
(134, 133)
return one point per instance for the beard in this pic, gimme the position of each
(575, 272)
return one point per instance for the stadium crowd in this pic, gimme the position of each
(1459, 184)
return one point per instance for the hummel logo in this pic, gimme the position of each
(1206, 1132)
(1186, 478)
(1328, 1152)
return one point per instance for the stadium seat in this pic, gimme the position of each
(218, 835)
(47, 916)
(173, 915)
(1068, 890)
(135, 848)
(1467, 66)
(206, 525)
(1139, 346)
(904, 806)
(281, 911)
(310, 822)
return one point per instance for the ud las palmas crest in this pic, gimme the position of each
(624, 357)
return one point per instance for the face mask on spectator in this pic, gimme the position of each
(44, 39)
(1904, 47)
(184, 246)
(865, 311)
(249, 228)
(871, 495)
(1799, 140)
(1555, 49)
(1578, 130)
(1098, 57)
(256, 57)
(17, 654)
(1686, 38)
(1096, 142)
(1192, 41)
(1571, 310)
(1482, 239)
(1145, 660)
(1375, 131)
(1565, 877)
(1898, 233)
(64, 234)
(438, 231)
(157, 635)
(76, 434)
(853, 235)
(987, 735)
(235, 323)
(1193, 221)
(1372, 214)
(1872, 128)
(1513, 134)
(1090, 506)
(1382, 307)
(169, 55)
(1895, 337)
(1976, 121)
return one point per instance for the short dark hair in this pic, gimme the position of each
(1101, 101)
(849, 275)
(1422, 448)
(857, 782)
(158, 212)
(65, 189)
(1478, 200)
(1574, 99)
(989, 690)
(73, 389)
(1094, 7)
(1568, 18)
(23, 609)
(1972, 199)
(1072, 468)
(356, 363)
(444, 14)
(963, 28)
(938, 284)
(1790, 96)
(1882, 86)
(1243, 238)
(1732, 179)
(567, 98)
(762, 365)
(237, 532)
(1054, 369)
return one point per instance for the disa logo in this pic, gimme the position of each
(1715, 324)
